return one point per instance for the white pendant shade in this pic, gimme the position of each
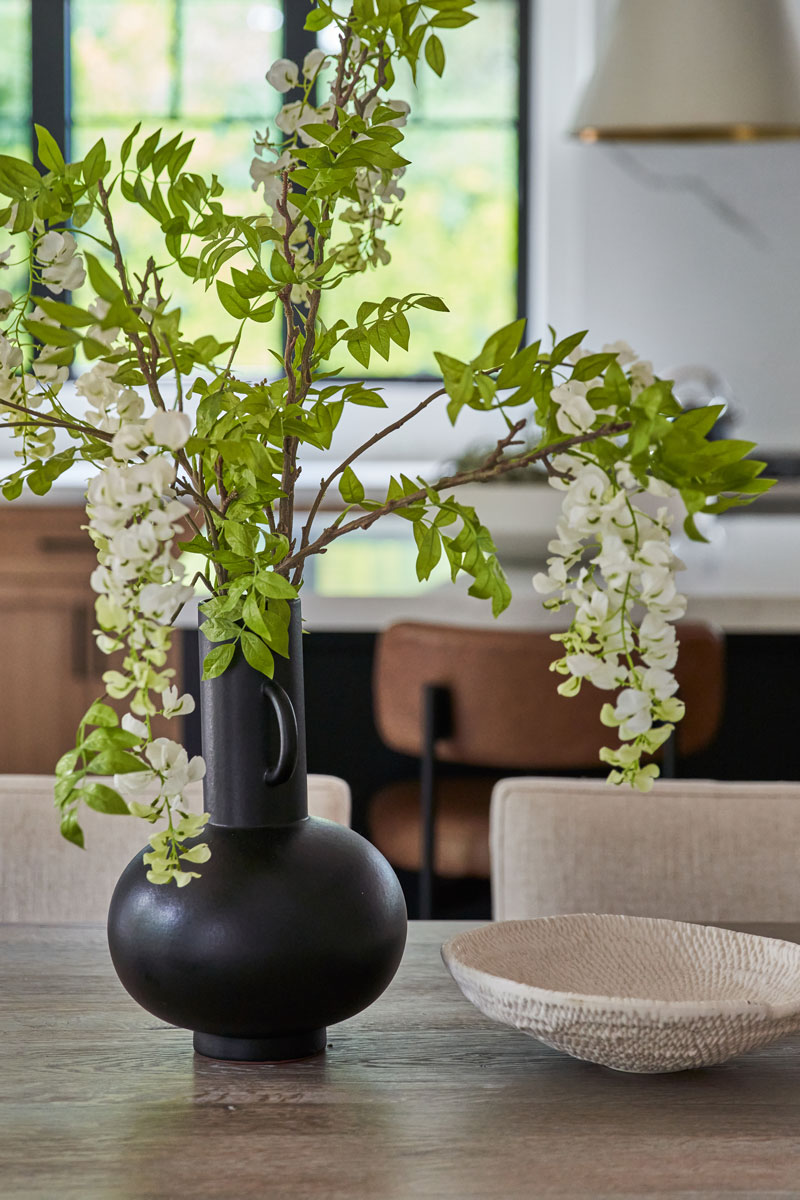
(695, 69)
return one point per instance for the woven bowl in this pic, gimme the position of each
(632, 993)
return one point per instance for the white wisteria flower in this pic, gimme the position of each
(575, 414)
(612, 560)
(283, 75)
(174, 705)
(63, 268)
(311, 64)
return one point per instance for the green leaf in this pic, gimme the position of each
(564, 348)
(104, 799)
(71, 830)
(258, 654)
(320, 18)
(591, 365)
(254, 617)
(365, 309)
(379, 339)
(51, 335)
(399, 330)
(67, 763)
(280, 269)
(431, 302)
(434, 54)
(17, 177)
(124, 153)
(218, 660)
(106, 287)
(48, 150)
(429, 545)
(452, 20)
(220, 629)
(146, 151)
(500, 346)
(94, 164)
(12, 487)
(242, 539)
(366, 397)
(116, 762)
(231, 301)
(107, 738)
(351, 489)
(270, 584)
(359, 347)
(101, 714)
(67, 314)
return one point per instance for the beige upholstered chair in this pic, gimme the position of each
(45, 879)
(691, 850)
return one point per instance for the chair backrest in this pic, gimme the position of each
(690, 850)
(45, 879)
(505, 707)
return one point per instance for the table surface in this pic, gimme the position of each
(418, 1096)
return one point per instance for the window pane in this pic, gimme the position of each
(121, 59)
(15, 113)
(458, 233)
(457, 240)
(480, 76)
(205, 63)
(226, 50)
(15, 77)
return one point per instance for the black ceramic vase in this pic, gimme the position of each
(296, 922)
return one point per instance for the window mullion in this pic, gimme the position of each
(50, 71)
(297, 41)
(525, 19)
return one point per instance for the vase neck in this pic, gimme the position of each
(253, 732)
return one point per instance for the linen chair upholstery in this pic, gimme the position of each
(45, 879)
(690, 850)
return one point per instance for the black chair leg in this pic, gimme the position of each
(436, 723)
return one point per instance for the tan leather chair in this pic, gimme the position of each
(45, 879)
(487, 697)
(691, 850)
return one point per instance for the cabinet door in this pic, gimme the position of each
(50, 667)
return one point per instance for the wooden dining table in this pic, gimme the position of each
(419, 1096)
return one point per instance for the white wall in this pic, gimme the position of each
(690, 253)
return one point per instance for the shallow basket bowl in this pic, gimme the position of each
(632, 993)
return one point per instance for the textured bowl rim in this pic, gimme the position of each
(677, 1009)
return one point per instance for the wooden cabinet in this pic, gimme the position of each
(50, 667)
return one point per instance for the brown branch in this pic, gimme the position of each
(119, 265)
(477, 475)
(56, 422)
(289, 473)
(376, 437)
(160, 300)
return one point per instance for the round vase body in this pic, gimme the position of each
(295, 923)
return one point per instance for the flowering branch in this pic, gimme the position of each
(609, 433)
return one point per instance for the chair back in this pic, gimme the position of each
(506, 712)
(44, 879)
(690, 850)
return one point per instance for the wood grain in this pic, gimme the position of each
(418, 1096)
(51, 669)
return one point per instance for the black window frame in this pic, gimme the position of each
(51, 98)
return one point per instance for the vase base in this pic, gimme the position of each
(270, 1049)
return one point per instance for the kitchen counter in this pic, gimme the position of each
(746, 580)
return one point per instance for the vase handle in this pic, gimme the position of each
(287, 733)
